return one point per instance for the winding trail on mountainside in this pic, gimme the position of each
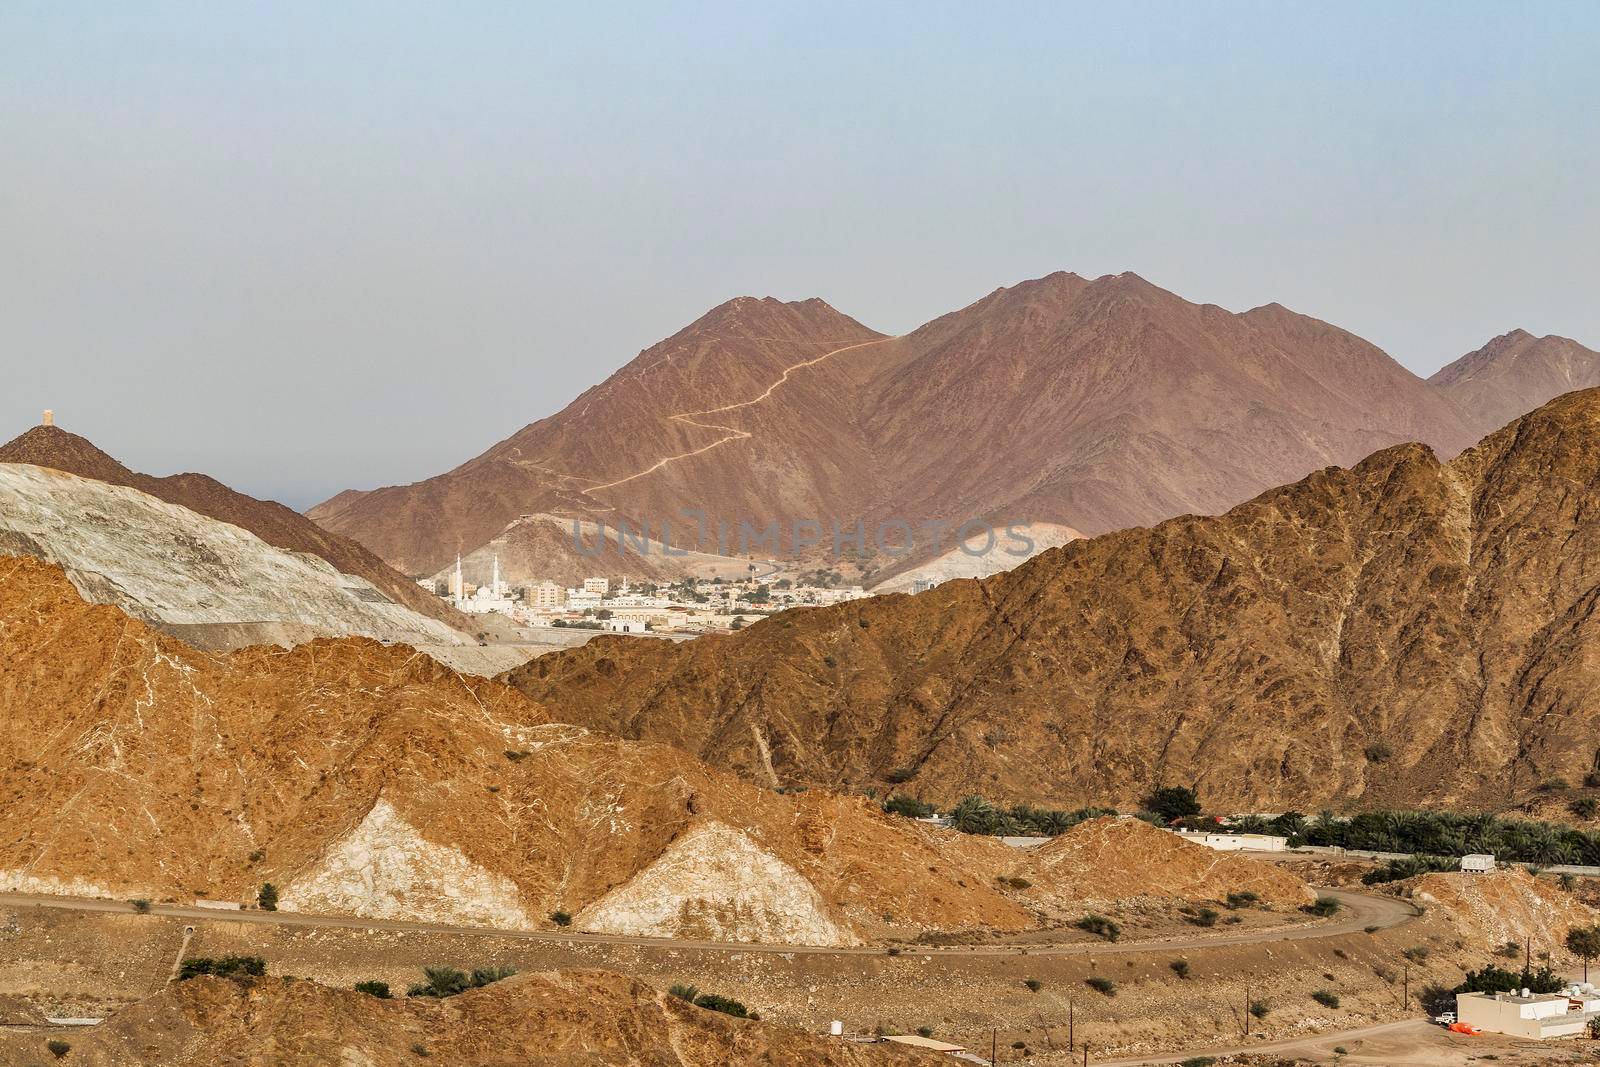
(689, 418)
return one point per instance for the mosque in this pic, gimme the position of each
(496, 596)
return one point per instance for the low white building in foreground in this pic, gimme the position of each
(1532, 1015)
(1236, 842)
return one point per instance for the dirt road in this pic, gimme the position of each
(1359, 912)
(1320, 1043)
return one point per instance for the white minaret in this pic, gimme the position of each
(48, 418)
(494, 586)
(456, 588)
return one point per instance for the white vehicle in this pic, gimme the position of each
(1445, 1018)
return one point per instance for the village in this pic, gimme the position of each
(687, 607)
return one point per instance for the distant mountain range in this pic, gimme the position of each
(1090, 404)
(1406, 631)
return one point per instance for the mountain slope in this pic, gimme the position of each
(366, 779)
(1093, 404)
(804, 458)
(1402, 631)
(549, 1019)
(282, 527)
(1515, 373)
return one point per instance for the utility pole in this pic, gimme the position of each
(1086, 1054)
(994, 1046)
(1071, 1035)
(1405, 994)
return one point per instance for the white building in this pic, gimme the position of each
(1236, 842)
(624, 626)
(583, 599)
(1477, 863)
(546, 594)
(1525, 1014)
(492, 597)
(597, 585)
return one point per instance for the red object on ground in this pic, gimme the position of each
(1464, 1028)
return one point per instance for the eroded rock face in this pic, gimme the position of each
(214, 584)
(1399, 632)
(714, 883)
(386, 869)
(367, 779)
(548, 1019)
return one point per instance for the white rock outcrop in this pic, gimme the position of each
(384, 869)
(713, 883)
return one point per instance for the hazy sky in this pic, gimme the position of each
(305, 247)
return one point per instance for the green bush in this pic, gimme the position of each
(58, 1048)
(684, 992)
(1259, 1009)
(1180, 968)
(1204, 916)
(900, 775)
(1510, 950)
(1242, 900)
(1326, 998)
(1033, 984)
(439, 981)
(374, 989)
(1416, 953)
(561, 918)
(726, 1005)
(140, 905)
(1198, 1061)
(1325, 906)
(1173, 802)
(268, 897)
(908, 806)
(237, 968)
(1380, 752)
(1100, 926)
(1494, 979)
(1101, 984)
(924, 1031)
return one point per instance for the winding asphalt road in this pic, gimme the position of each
(1359, 912)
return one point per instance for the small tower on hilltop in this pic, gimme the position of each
(48, 418)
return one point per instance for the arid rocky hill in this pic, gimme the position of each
(1091, 404)
(366, 779)
(551, 1019)
(1405, 630)
(1513, 374)
(279, 526)
(211, 583)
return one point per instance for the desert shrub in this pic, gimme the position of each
(1173, 802)
(58, 1048)
(1259, 1009)
(908, 806)
(236, 967)
(895, 950)
(1243, 900)
(517, 755)
(267, 898)
(1325, 906)
(924, 1031)
(1198, 1061)
(1416, 953)
(1554, 785)
(1019, 883)
(1510, 950)
(829, 661)
(561, 918)
(440, 981)
(140, 905)
(1204, 916)
(1033, 984)
(419, 1049)
(1584, 807)
(1410, 867)
(1180, 968)
(1494, 979)
(865, 624)
(1371, 929)
(1380, 752)
(374, 989)
(482, 976)
(1101, 984)
(900, 774)
(726, 1005)
(684, 991)
(1100, 926)
(1326, 998)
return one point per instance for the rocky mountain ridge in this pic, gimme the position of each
(1403, 631)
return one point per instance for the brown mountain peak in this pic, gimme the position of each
(51, 446)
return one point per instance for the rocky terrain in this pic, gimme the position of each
(366, 779)
(1403, 631)
(1513, 374)
(559, 1019)
(1507, 905)
(211, 583)
(279, 526)
(1092, 404)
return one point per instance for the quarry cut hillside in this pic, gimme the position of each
(279, 526)
(1087, 404)
(549, 1019)
(1404, 631)
(367, 779)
